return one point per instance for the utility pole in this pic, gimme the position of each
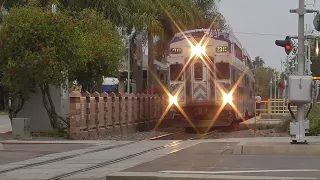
(138, 74)
(128, 42)
(129, 68)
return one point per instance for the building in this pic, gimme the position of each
(161, 72)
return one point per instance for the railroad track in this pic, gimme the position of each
(106, 163)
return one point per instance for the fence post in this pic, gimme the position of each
(114, 113)
(130, 106)
(124, 107)
(121, 111)
(75, 114)
(104, 95)
(138, 105)
(87, 97)
(269, 107)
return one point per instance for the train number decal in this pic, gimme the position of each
(176, 50)
(222, 49)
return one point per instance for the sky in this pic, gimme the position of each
(264, 17)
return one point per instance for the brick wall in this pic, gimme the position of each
(93, 115)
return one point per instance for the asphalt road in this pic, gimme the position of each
(19, 152)
(217, 159)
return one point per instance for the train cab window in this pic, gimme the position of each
(198, 71)
(175, 70)
(223, 70)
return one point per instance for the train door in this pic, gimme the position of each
(199, 79)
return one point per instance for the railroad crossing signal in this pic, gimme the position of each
(287, 44)
(316, 22)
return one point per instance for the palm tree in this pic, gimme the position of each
(148, 15)
(258, 62)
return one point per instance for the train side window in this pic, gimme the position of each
(247, 79)
(238, 52)
(175, 70)
(234, 75)
(198, 71)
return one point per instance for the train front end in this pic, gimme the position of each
(200, 78)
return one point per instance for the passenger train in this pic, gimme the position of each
(205, 65)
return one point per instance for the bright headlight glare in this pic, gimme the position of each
(198, 50)
(227, 98)
(173, 100)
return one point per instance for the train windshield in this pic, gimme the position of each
(223, 70)
(175, 70)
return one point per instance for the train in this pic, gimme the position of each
(211, 78)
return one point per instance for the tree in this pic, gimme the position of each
(263, 76)
(258, 62)
(315, 66)
(101, 48)
(37, 48)
(152, 16)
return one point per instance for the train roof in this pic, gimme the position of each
(227, 35)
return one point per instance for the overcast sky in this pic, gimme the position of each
(264, 17)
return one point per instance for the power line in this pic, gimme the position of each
(259, 34)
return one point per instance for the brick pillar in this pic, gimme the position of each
(75, 115)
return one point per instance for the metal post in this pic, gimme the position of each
(300, 107)
(275, 88)
(301, 11)
(275, 100)
(270, 99)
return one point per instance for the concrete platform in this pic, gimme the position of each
(258, 123)
(276, 116)
(276, 148)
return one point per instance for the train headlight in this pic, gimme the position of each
(227, 98)
(198, 50)
(173, 100)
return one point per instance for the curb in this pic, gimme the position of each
(44, 142)
(169, 176)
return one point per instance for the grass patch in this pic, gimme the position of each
(314, 118)
(55, 133)
(3, 113)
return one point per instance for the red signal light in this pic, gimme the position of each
(288, 47)
(281, 85)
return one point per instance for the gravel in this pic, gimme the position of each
(138, 136)
(247, 134)
(134, 136)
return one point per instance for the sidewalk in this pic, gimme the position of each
(5, 124)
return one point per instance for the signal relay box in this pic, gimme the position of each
(300, 89)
